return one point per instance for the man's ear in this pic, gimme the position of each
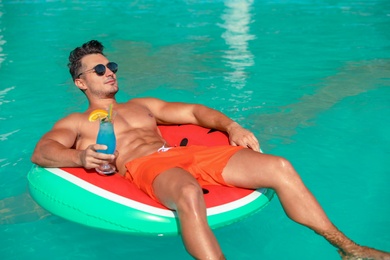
(80, 84)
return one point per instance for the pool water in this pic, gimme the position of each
(309, 77)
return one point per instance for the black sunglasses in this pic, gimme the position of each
(100, 69)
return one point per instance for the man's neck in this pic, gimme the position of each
(101, 103)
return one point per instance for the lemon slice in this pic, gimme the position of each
(97, 114)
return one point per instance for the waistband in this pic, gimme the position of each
(163, 148)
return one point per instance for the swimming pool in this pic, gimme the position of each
(310, 78)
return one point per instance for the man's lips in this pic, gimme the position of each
(110, 81)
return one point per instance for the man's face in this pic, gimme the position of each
(101, 86)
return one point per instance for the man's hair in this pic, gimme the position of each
(75, 56)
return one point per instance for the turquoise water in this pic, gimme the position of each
(310, 78)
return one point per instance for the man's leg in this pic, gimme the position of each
(250, 169)
(177, 189)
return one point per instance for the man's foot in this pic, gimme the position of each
(363, 253)
(350, 250)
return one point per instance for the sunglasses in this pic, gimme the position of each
(100, 69)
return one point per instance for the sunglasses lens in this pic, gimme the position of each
(112, 66)
(100, 69)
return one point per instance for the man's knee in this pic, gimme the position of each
(284, 165)
(285, 172)
(190, 196)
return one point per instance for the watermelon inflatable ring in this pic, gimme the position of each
(113, 203)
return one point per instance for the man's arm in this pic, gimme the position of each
(183, 113)
(56, 148)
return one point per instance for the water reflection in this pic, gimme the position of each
(238, 57)
(352, 80)
(20, 209)
(2, 41)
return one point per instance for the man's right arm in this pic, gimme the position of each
(55, 147)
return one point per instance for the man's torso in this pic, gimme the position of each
(135, 129)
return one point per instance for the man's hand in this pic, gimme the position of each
(90, 158)
(240, 136)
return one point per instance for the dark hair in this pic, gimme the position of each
(75, 56)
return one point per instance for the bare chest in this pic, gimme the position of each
(125, 123)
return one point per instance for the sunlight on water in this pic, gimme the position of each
(310, 78)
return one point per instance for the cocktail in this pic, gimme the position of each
(106, 136)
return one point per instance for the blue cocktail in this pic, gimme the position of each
(106, 136)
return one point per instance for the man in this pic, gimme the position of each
(170, 175)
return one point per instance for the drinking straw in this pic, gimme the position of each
(110, 112)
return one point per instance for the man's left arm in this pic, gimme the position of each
(183, 113)
(211, 118)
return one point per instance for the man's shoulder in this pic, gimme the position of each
(77, 115)
(143, 101)
(73, 118)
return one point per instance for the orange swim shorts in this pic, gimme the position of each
(204, 163)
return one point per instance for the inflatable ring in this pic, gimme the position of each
(115, 204)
